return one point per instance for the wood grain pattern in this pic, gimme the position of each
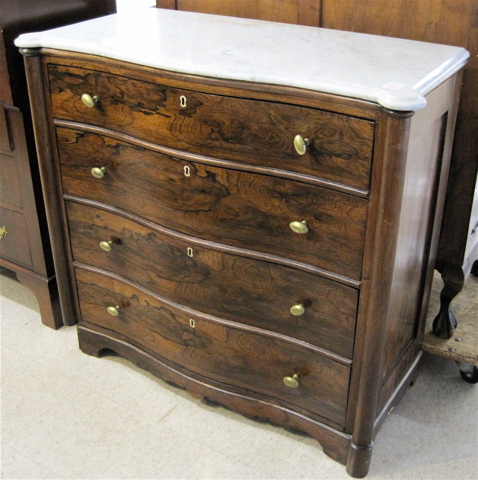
(236, 288)
(302, 12)
(232, 207)
(9, 185)
(426, 20)
(31, 242)
(248, 359)
(254, 132)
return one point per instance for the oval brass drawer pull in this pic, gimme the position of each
(292, 382)
(106, 246)
(88, 100)
(98, 172)
(114, 310)
(297, 309)
(301, 144)
(299, 227)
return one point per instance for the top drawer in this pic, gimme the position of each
(249, 131)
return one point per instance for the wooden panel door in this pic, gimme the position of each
(302, 12)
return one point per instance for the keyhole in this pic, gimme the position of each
(187, 171)
(192, 323)
(190, 252)
(182, 101)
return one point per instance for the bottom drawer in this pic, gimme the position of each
(245, 357)
(14, 238)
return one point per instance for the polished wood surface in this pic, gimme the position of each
(201, 256)
(235, 355)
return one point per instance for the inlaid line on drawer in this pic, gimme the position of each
(270, 296)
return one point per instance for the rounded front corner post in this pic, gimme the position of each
(358, 460)
(51, 188)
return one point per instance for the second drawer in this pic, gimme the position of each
(226, 285)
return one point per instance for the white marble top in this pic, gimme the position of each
(393, 72)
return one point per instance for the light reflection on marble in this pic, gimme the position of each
(395, 73)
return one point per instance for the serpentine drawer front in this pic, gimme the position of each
(256, 228)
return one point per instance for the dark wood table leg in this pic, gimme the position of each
(445, 322)
(45, 290)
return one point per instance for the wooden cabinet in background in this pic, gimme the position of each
(24, 239)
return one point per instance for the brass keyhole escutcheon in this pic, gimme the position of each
(190, 252)
(106, 246)
(292, 382)
(299, 227)
(114, 310)
(187, 171)
(192, 323)
(98, 172)
(183, 101)
(297, 309)
(88, 100)
(301, 144)
(3, 232)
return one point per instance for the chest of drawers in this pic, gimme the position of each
(266, 246)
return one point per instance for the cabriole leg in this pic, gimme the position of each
(445, 323)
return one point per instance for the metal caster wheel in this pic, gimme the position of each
(469, 373)
(474, 268)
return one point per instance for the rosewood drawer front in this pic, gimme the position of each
(251, 360)
(232, 207)
(229, 286)
(248, 131)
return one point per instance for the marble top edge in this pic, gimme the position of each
(394, 73)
